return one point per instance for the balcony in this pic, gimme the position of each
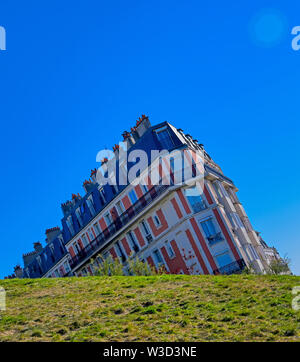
(215, 238)
(199, 206)
(149, 238)
(233, 268)
(118, 224)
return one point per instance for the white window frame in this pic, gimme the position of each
(156, 220)
(85, 240)
(79, 216)
(70, 225)
(170, 250)
(90, 204)
(132, 240)
(120, 207)
(97, 228)
(158, 263)
(107, 216)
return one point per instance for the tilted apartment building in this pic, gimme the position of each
(176, 226)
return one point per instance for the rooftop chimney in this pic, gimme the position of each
(142, 124)
(128, 139)
(88, 185)
(52, 233)
(94, 174)
(18, 271)
(38, 247)
(66, 207)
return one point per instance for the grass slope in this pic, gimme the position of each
(158, 308)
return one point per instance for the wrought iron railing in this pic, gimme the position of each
(232, 268)
(118, 224)
(199, 206)
(215, 238)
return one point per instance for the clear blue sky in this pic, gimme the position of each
(75, 75)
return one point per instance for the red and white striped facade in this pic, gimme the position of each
(169, 232)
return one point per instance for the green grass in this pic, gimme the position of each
(157, 308)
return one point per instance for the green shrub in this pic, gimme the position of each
(134, 267)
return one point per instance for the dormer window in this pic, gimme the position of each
(164, 138)
(90, 205)
(51, 247)
(102, 196)
(69, 222)
(114, 189)
(38, 258)
(78, 214)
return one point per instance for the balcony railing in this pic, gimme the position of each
(149, 238)
(215, 238)
(199, 206)
(232, 268)
(118, 224)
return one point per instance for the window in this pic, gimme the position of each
(120, 208)
(56, 273)
(120, 252)
(70, 225)
(170, 250)
(210, 232)
(123, 174)
(102, 196)
(164, 138)
(224, 259)
(194, 197)
(144, 188)
(84, 240)
(97, 229)
(61, 246)
(67, 267)
(222, 189)
(253, 252)
(78, 214)
(90, 205)
(38, 258)
(105, 255)
(157, 257)
(146, 231)
(156, 220)
(76, 247)
(132, 196)
(107, 218)
(91, 235)
(114, 189)
(132, 241)
(236, 220)
(51, 247)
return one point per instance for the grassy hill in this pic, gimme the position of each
(158, 308)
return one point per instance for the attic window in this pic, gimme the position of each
(164, 138)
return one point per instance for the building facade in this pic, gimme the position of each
(186, 228)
